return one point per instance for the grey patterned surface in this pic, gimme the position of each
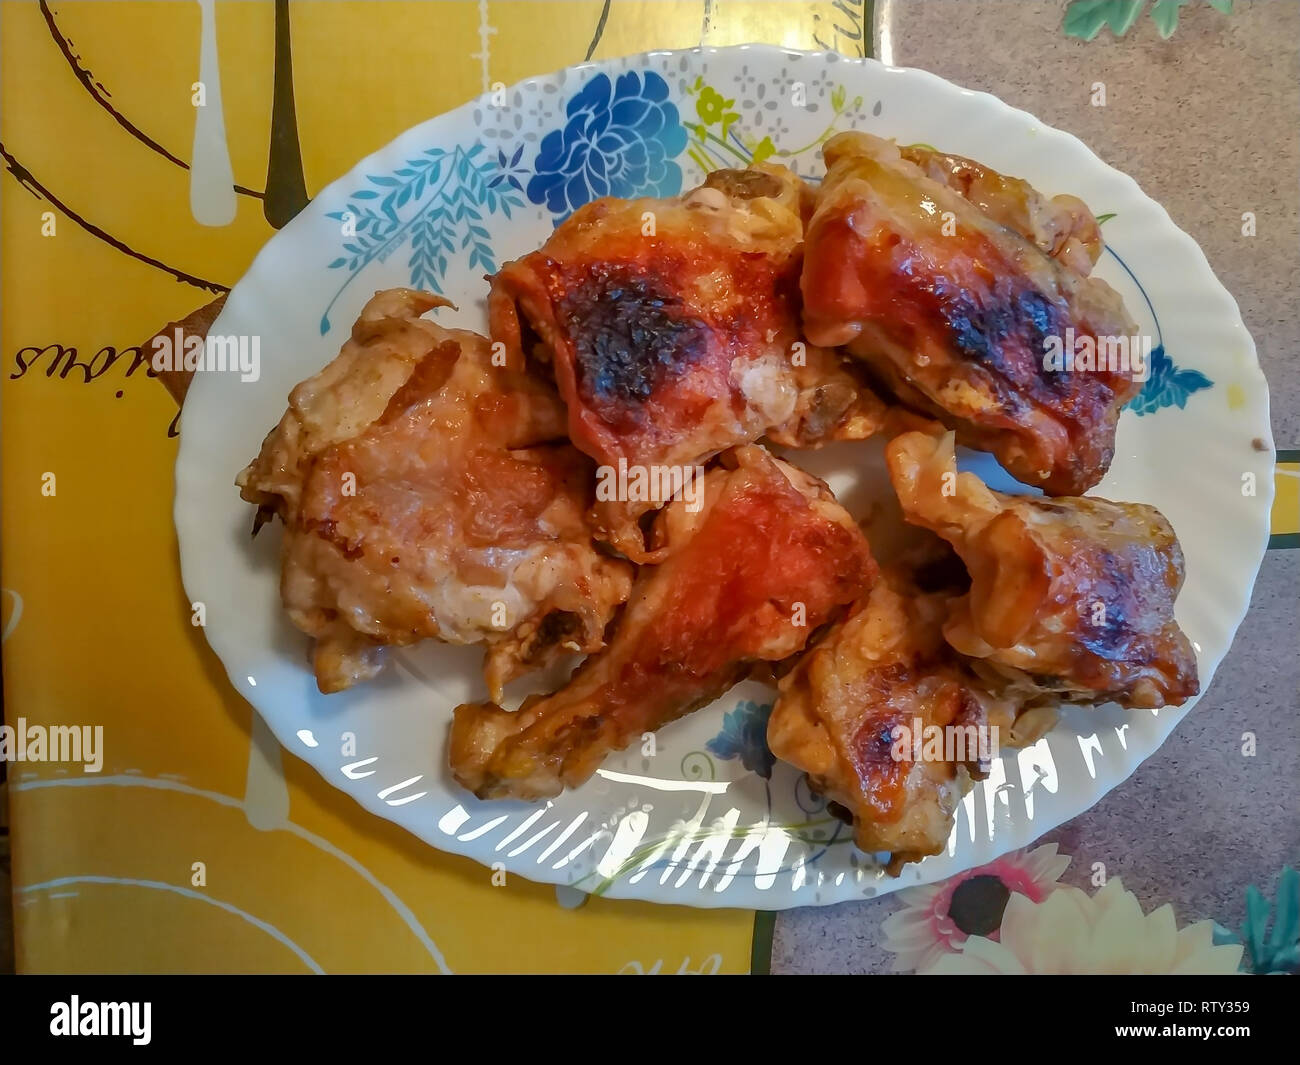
(1208, 123)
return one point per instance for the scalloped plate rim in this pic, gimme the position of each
(243, 297)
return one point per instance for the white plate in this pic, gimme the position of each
(700, 822)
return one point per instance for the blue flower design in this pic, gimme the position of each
(744, 736)
(618, 140)
(508, 169)
(1167, 386)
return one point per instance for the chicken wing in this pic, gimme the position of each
(1072, 596)
(957, 305)
(672, 330)
(765, 561)
(422, 498)
(860, 712)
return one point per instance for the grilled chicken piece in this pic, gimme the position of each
(864, 714)
(1069, 596)
(672, 330)
(422, 498)
(765, 561)
(957, 310)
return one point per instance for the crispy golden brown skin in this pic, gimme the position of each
(1069, 596)
(957, 324)
(1061, 227)
(847, 713)
(422, 497)
(672, 328)
(767, 560)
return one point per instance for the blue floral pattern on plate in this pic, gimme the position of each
(744, 736)
(435, 203)
(618, 139)
(1166, 385)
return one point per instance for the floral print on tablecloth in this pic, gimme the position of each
(1014, 916)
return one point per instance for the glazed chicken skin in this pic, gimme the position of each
(765, 561)
(672, 330)
(1069, 596)
(1061, 227)
(854, 709)
(422, 498)
(955, 308)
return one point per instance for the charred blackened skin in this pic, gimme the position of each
(628, 337)
(1111, 636)
(980, 333)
